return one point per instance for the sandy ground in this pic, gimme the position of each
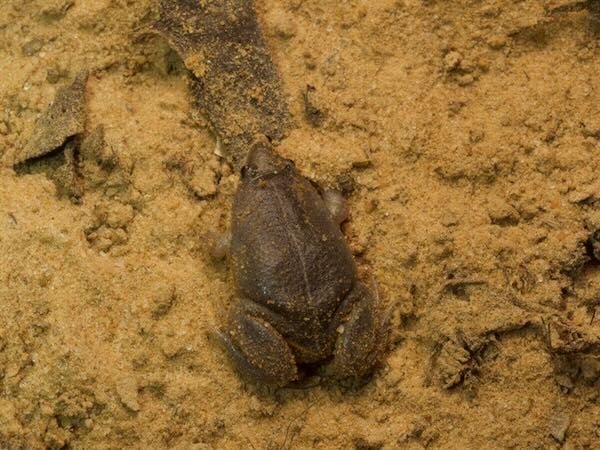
(466, 136)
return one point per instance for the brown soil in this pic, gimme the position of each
(466, 136)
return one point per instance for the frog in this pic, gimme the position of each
(300, 301)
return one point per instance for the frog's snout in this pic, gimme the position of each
(262, 160)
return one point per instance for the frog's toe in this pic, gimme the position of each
(257, 350)
(362, 336)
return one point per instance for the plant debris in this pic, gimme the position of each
(235, 82)
(64, 119)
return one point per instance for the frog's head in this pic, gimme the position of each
(263, 161)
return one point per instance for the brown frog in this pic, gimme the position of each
(300, 299)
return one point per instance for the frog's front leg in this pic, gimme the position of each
(257, 350)
(337, 205)
(218, 245)
(362, 334)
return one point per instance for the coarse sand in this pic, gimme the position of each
(466, 137)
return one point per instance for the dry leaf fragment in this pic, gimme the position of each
(235, 81)
(64, 118)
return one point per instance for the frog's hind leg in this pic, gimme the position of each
(257, 350)
(362, 335)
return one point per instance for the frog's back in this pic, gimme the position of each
(288, 253)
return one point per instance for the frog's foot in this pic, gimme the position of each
(337, 205)
(257, 350)
(362, 335)
(218, 245)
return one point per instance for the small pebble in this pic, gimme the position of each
(591, 128)
(282, 23)
(590, 368)
(455, 106)
(497, 41)
(372, 205)
(452, 60)
(128, 392)
(465, 80)
(163, 300)
(558, 426)
(203, 182)
(119, 215)
(476, 136)
(33, 46)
